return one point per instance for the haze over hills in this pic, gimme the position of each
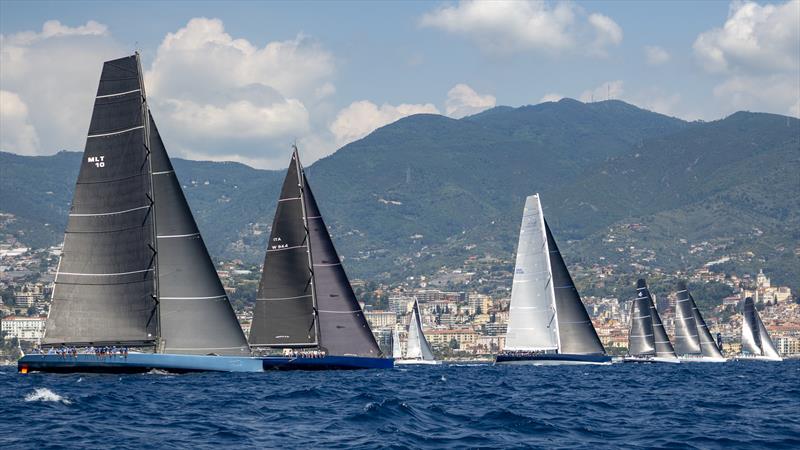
(428, 190)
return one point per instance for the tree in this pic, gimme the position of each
(453, 344)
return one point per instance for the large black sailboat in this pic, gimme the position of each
(548, 323)
(306, 314)
(693, 340)
(135, 288)
(647, 340)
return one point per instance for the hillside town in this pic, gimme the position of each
(464, 310)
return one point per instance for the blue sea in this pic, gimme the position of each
(733, 405)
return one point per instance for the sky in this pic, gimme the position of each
(242, 81)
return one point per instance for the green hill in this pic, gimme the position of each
(416, 194)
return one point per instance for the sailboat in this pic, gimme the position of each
(756, 343)
(548, 323)
(418, 351)
(647, 339)
(135, 288)
(305, 310)
(693, 341)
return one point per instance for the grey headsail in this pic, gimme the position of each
(641, 339)
(751, 339)
(343, 329)
(576, 332)
(707, 343)
(285, 310)
(196, 315)
(104, 289)
(687, 341)
(664, 347)
(767, 346)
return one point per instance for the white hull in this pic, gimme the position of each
(701, 359)
(757, 358)
(654, 359)
(421, 362)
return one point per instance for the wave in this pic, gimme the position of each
(46, 395)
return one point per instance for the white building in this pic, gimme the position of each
(23, 328)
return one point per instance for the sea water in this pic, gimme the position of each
(733, 405)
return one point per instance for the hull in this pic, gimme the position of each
(137, 363)
(652, 359)
(419, 362)
(325, 363)
(701, 359)
(757, 358)
(552, 359)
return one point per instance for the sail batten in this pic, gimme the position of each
(755, 338)
(663, 346)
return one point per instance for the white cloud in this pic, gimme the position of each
(607, 33)
(655, 55)
(608, 90)
(16, 133)
(757, 52)
(512, 26)
(53, 72)
(462, 101)
(754, 38)
(551, 97)
(362, 117)
(214, 91)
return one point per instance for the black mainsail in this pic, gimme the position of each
(575, 330)
(687, 341)
(134, 270)
(304, 298)
(104, 288)
(641, 338)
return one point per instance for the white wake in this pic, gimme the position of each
(46, 395)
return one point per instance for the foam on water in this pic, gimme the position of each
(45, 395)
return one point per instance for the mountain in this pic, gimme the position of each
(428, 190)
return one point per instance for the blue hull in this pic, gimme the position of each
(326, 363)
(552, 359)
(145, 362)
(138, 363)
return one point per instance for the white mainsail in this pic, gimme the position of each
(418, 347)
(397, 352)
(532, 324)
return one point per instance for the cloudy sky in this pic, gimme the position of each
(242, 81)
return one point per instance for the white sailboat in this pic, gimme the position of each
(548, 323)
(418, 351)
(756, 343)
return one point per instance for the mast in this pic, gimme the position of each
(154, 245)
(301, 179)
